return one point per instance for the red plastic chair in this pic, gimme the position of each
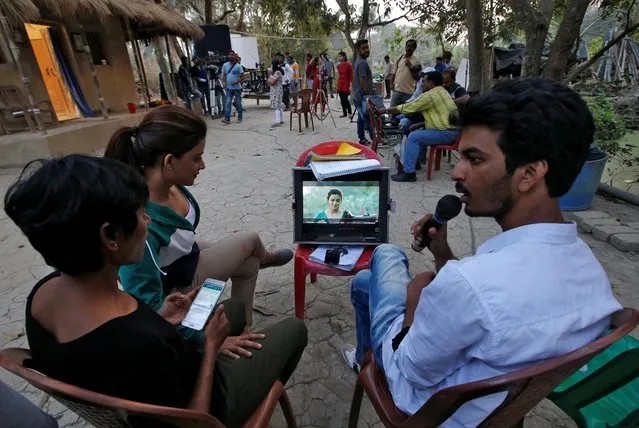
(435, 153)
(303, 266)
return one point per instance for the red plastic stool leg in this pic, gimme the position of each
(438, 159)
(313, 277)
(300, 286)
(431, 155)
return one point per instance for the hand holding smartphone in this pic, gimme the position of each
(204, 303)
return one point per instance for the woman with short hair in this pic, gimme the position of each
(86, 217)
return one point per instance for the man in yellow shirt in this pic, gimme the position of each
(403, 81)
(437, 108)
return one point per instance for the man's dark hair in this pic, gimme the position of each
(387, 57)
(415, 68)
(439, 58)
(435, 77)
(451, 72)
(412, 42)
(359, 43)
(61, 205)
(279, 54)
(342, 53)
(539, 119)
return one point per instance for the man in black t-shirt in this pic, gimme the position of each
(457, 92)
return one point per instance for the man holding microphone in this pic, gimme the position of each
(533, 292)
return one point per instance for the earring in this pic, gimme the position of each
(170, 168)
(115, 245)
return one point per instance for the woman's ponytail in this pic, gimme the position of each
(164, 130)
(120, 147)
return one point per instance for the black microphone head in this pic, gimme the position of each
(447, 208)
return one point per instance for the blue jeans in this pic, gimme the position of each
(362, 122)
(379, 297)
(420, 140)
(234, 97)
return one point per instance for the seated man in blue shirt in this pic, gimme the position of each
(531, 293)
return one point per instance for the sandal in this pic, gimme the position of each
(282, 257)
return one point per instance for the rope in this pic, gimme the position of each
(279, 37)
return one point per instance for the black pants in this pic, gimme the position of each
(286, 95)
(388, 87)
(346, 105)
(239, 386)
(206, 91)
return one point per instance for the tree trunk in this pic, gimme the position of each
(535, 40)
(567, 35)
(475, 45)
(535, 23)
(241, 25)
(208, 11)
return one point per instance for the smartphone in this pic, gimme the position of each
(203, 304)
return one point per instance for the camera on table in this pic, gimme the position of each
(333, 255)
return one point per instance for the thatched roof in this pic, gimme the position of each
(146, 13)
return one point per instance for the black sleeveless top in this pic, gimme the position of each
(139, 357)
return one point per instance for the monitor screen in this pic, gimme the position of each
(350, 209)
(334, 202)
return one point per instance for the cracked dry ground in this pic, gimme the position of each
(247, 186)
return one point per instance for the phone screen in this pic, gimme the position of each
(203, 304)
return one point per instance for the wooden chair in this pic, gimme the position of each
(104, 411)
(301, 105)
(13, 101)
(525, 387)
(381, 135)
(435, 153)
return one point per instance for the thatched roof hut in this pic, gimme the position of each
(147, 17)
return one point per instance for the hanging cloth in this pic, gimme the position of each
(69, 78)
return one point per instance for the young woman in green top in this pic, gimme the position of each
(167, 147)
(333, 214)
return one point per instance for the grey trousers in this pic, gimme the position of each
(18, 412)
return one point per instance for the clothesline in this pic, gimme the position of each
(280, 37)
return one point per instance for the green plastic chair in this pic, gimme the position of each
(605, 392)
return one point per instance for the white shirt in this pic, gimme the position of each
(531, 293)
(288, 73)
(388, 68)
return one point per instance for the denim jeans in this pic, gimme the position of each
(234, 97)
(362, 122)
(379, 297)
(420, 140)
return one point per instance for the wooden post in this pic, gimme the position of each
(96, 83)
(171, 81)
(26, 82)
(137, 62)
(144, 79)
(188, 51)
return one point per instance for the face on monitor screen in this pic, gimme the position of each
(334, 202)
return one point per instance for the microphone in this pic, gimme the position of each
(447, 208)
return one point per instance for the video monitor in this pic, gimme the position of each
(351, 209)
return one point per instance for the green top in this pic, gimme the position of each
(323, 217)
(170, 259)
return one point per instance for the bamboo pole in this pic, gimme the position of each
(171, 81)
(137, 61)
(26, 82)
(96, 83)
(145, 80)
